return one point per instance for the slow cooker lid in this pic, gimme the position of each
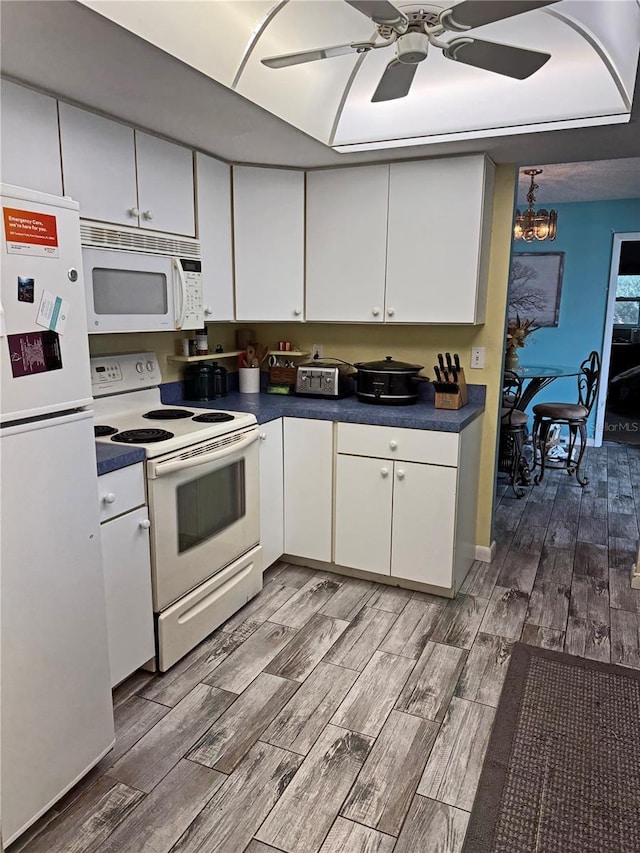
(388, 365)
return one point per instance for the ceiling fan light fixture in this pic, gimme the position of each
(412, 47)
(532, 224)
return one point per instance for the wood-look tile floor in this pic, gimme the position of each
(334, 715)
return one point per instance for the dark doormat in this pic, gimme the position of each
(562, 769)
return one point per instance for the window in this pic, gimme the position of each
(627, 307)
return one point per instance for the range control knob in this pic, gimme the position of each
(140, 366)
(150, 366)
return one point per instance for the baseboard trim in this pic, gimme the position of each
(486, 553)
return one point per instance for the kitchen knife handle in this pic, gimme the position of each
(447, 355)
(441, 361)
(456, 360)
(437, 373)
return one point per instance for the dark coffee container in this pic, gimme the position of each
(199, 381)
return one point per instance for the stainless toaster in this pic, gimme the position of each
(324, 379)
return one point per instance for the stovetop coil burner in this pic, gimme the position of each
(167, 414)
(142, 436)
(101, 430)
(213, 418)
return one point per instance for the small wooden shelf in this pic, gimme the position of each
(213, 356)
(285, 353)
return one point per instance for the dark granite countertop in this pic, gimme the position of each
(111, 457)
(269, 407)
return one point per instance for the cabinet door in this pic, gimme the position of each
(213, 205)
(99, 165)
(127, 578)
(308, 488)
(424, 504)
(165, 185)
(271, 492)
(268, 212)
(438, 219)
(30, 144)
(363, 513)
(347, 244)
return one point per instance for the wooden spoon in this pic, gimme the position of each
(251, 356)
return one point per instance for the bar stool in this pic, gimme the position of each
(572, 415)
(513, 432)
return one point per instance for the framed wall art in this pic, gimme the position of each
(535, 284)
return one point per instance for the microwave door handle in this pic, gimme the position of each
(180, 293)
(159, 469)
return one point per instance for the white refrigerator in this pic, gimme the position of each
(56, 718)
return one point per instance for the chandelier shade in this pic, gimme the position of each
(532, 224)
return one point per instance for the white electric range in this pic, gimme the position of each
(202, 476)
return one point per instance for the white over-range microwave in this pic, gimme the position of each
(140, 281)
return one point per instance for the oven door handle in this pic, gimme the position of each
(179, 293)
(159, 469)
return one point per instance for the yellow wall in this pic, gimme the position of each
(417, 344)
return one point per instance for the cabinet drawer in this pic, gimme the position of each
(121, 490)
(413, 445)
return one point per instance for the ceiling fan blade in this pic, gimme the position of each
(516, 62)
(380, 11)
(286, 59)
(476, 13)
(395, 82)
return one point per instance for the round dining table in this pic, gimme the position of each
(538, 376)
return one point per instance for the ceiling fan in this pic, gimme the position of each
(412, 33)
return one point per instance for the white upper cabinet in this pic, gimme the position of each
(347, 244)
(165, 185)
(99, 164)
(213, 204)
(438, 240)
(30, 144)
(269, 243)
(124, 176)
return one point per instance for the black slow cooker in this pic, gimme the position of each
(388, 382)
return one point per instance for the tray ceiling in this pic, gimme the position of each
(589, 79)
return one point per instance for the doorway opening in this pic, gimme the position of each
(618, 416)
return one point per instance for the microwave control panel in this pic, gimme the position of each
(192, 277)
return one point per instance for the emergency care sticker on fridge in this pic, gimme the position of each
(53, 312)
(30, 233)
(34, 352)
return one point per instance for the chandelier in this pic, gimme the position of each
(534, 224)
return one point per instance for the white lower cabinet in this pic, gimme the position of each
(308, 488)
(399, 514)
(271, 492)
(127, 570)
(423, 529)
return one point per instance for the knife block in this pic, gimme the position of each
(453, 400)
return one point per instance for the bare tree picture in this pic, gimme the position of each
(535, 280)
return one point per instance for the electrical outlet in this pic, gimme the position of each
(316, 350)
(477, 357)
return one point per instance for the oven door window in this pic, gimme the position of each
(122, 291)
(209, 504)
